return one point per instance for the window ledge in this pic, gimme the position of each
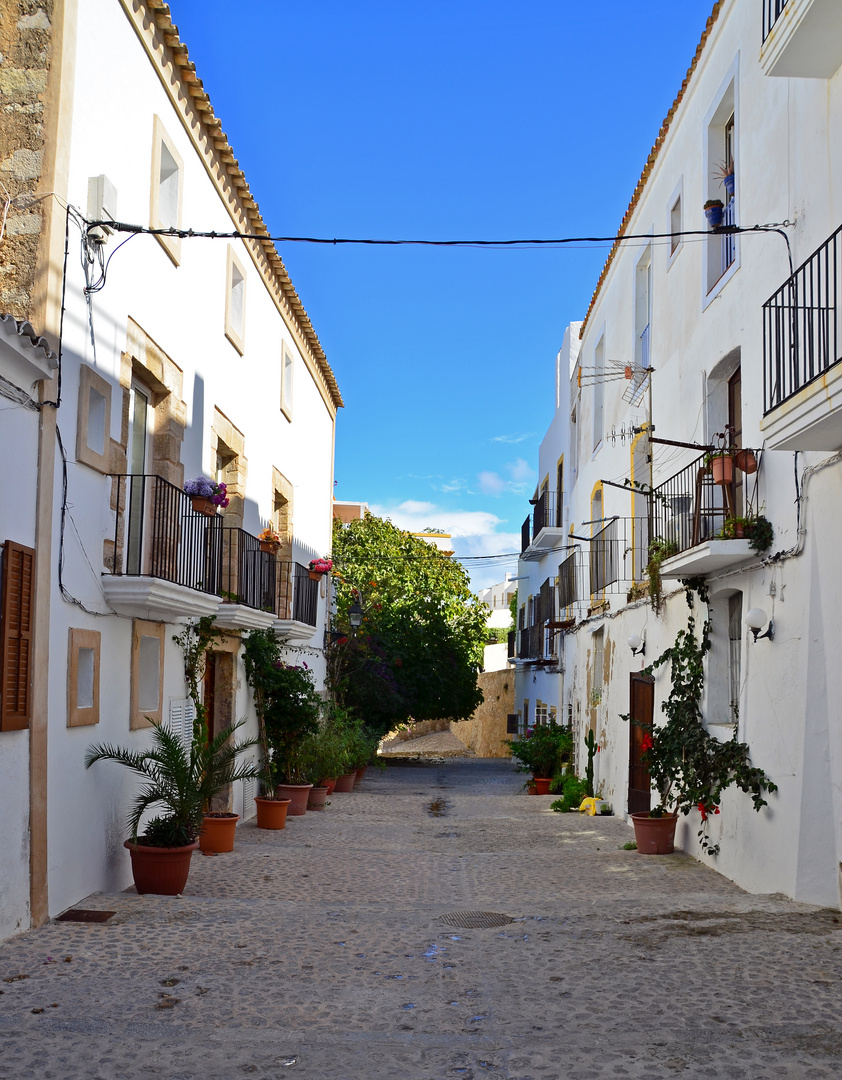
(156, 600)
(243, 617)
(708, 558)
(805, 42)
(809, 420)
(293, 629)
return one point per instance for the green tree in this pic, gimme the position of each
(419, 648)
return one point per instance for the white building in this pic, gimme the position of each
(741, 333)
(192, 357)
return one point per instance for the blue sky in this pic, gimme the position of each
(442, 120)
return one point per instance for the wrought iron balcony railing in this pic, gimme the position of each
(801, 338)
(689, 508)
(305, 596)
(525, 535)
(157, 533)
(249, 575)
(547, 512)
(772, 10)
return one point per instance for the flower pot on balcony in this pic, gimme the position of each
(729, 183)
(315, 575)
(746, 461)
(202, 505)
(714, 211)
(722, 468)
(269, 546)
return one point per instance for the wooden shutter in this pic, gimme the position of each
(16, 619)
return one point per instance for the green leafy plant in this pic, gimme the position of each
(195, 641)
(182, 779)
(574, 791)
(659, 550)
(543, 751)
(630, 845)
(591, 746)
(690, 767)
(760, 534)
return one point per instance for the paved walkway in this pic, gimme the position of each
(320, 953)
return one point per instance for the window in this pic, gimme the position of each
(598, 675)
(721, 150)
(286, 381)
(83, 677)
(675, 225)
(642, 307)
(93, 423)
(735, 644)
(167, 189)
(147, 673)
(598, 392)
(16, 624)
(235, 301)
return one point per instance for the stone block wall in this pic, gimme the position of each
(485, 731)
(25, 57)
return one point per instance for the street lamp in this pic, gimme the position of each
(355, 615)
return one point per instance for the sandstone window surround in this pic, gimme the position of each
(83, 668)
(167, 189)
(235, 301)
(229, 463)
(147, 672)
(93, 422)
(287, 371)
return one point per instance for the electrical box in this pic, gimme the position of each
(102, 200)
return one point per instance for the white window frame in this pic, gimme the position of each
(161, 140)
(676, 197)
(726, 102)
(598, 399)
(235, 279)
(287, 385)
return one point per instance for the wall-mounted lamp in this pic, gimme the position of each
(637, 645)
(756, 619)
(355, 616)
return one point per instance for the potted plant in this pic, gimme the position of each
(543, 751)
(725, 173)
(734, 528)
(689, 767)
(659, 550)
(324, 758)
(269, 540)
(320, 567)
(206, 495)
(721, 465)
(745, 461)
(182, 780)
(288, 708)
(714, 211)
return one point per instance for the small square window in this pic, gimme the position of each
(167, 189)
(147, 673)
(83, 678)
(235, 302)
(93, 420)
(286, 381)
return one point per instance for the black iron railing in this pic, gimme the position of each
(567, 580)
(801, 325)
(772, 10)
(525, 535)
(688, 509)
(305, 596)
(604, 558)
(512, 644)
(249, 575)
(157, 533)
(546, 513)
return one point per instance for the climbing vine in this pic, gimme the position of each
(195, 641)
(689, 766)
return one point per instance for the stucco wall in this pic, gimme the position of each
(485, 731)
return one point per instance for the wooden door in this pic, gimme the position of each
(209, 693)
(641, 709)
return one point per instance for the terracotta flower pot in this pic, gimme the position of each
(317, 798)
(297, 795)
(271, 813)
(746, 461)
(158, 869)
(542, 784)
(268, 546)
(345, 783)
(722, 468)
(217, 835)
(654, 835)
(329, 783)
(361, 772)
(315, 575)
(531, 789)
(203, 505)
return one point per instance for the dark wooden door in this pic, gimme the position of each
(209, 693)
(641, 709)
(735, 420)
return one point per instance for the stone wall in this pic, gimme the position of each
(485, 731)
(25, 57)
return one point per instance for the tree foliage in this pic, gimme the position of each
(419, 648)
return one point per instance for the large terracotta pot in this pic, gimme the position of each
(746, 461)
(722, 468)
(317, 798)
(271, 813)
(361, 772)
(345, 783)
(217, 835)
(160, 870)
(297, 795)
(541, 784)
(269, 547)
(329, 783)
(654, 835)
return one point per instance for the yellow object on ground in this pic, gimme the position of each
(589, 806)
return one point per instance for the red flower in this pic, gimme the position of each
(703, 811)
(647, 742)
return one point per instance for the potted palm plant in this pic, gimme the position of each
(544, 751)
(182, 780)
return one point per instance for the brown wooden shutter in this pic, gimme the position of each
(16, 618)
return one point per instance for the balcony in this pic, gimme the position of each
(801, 38)
(687, 513)
(802, 374)
(298, 602)
(547, 527)
(248, 583)
(166, 559)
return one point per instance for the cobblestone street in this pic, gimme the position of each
(321, 953)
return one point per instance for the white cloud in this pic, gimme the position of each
(511, 439)
(491, 483)
(520, 471)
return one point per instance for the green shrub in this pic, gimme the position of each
(573, 791)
